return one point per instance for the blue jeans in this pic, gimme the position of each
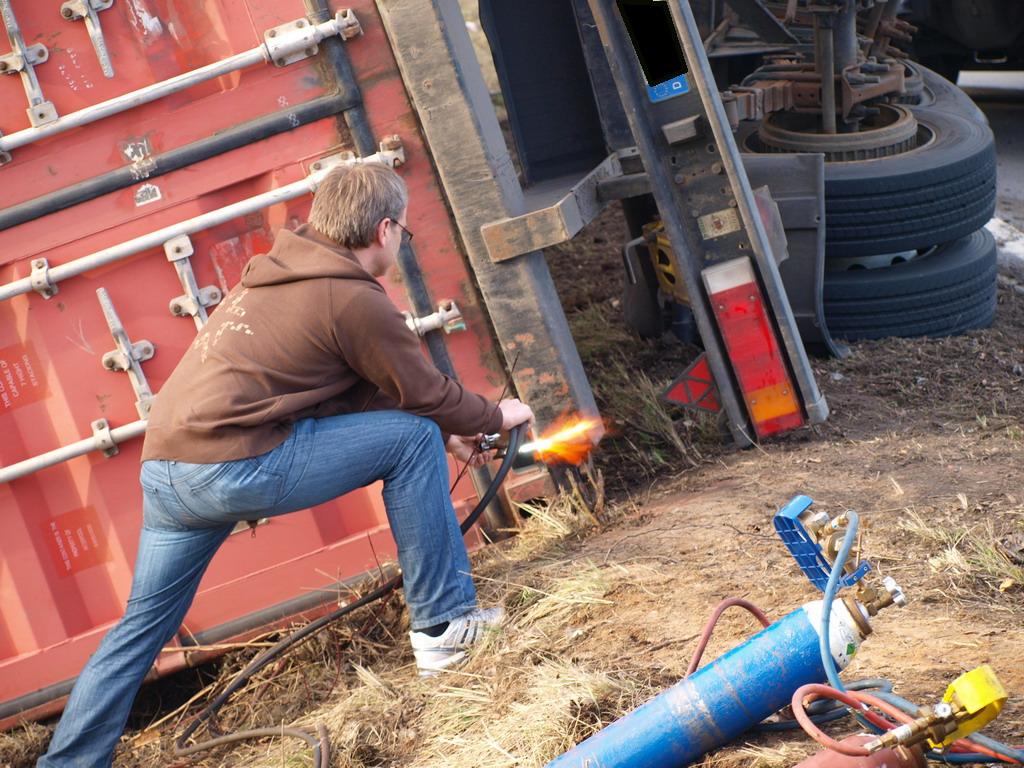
(189, 510)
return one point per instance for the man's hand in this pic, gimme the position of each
(514, 413)
(466, 450)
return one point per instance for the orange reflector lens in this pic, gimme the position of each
(773, 403)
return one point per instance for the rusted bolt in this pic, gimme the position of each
(175, 308)
(679, 178)
(37, 264)
(67, 13)
(300, 23)
(732, 202)
(272, 33)
(4, 66)
(310, 51)
(717, 168)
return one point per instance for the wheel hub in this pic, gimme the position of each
(890, 132)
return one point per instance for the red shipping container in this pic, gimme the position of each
(99, 183)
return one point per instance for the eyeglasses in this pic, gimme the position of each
(406, 234)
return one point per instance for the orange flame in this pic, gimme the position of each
(567, 441)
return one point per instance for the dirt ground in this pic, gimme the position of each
(924, 441)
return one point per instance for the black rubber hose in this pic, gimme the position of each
(516, 435)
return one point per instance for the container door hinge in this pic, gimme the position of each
(300, 39)
(73, 10)
(195, 300)
(40, 278)
(22, 59)
(128, 356)
(448, 317)
(391, 151)
(103, 438)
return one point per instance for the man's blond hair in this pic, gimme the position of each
(353, 199)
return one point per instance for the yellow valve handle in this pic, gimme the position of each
(978, 693)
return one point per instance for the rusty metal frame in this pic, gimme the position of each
(446, 87)
(697, 178)
(550, 224)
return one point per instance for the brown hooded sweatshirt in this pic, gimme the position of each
(307, 333)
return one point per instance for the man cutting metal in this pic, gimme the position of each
(305, 384)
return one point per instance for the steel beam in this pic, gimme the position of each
(446, 87)
(699, 183)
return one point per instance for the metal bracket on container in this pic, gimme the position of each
(22, 59)
(195, 299)
(448, 317)
(73, 10)
(128, 356)
(103, 438)
(391, 152)
(40, 278)
(299, 39)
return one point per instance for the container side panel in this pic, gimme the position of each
(70, 530)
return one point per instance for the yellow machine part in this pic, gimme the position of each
(978, 693)
(665, 264)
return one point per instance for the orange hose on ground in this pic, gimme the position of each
(961, 745)
(817, 691)
(857, 700)
(710, 626)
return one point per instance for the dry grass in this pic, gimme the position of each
(973, 552)
(646, 435)
(519, 700)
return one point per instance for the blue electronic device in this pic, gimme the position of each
(653, 34)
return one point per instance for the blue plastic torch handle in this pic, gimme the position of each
(805, 550)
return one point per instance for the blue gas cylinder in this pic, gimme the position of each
(724, 698)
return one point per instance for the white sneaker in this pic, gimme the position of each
(436, 653)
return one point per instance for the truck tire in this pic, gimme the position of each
(941, 190)
(949, 289)
(937, 92)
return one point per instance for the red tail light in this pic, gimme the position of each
(754, 351)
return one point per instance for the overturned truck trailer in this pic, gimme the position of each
(149, 148)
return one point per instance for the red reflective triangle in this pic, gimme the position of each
(694, 388)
